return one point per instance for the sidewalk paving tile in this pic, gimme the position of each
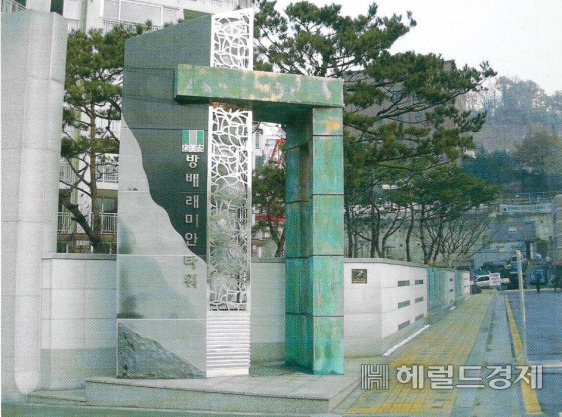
(448, 342)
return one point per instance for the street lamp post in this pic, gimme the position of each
(522, 299)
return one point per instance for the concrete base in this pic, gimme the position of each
(61, 397)
(270, 389)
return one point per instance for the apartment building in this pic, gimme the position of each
(104, 15)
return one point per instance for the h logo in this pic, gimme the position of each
(374, 375)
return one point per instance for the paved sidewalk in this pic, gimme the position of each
(448, 342)
(478, 333)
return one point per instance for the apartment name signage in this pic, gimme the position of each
(195, 156)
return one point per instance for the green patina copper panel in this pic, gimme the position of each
(299, 167)
(299, 131)
(305, 288)
(296, 277)
(327, 170)
(315, 227)
(326, 287)
(292, 338)
(327, 225)
(280, 91)
(293, 244)
(297, 230)
(293, 189)
(435, 288)
(458, 284)
(327, 122)
(328, 345)
(299, 349)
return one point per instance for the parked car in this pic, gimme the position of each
(484, 281)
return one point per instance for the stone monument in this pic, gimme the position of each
(184, 233)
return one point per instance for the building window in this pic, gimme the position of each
(111, 9)
(138, 12)
(57, 6)
(107, 204)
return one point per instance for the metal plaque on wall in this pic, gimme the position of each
(358, 276)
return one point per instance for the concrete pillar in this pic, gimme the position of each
(314, 244)
(183, 261)
(33, 64)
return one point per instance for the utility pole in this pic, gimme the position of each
(522, 300)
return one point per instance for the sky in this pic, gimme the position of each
(519, 38)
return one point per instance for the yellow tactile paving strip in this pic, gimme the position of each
(448, 342)
(530, 399)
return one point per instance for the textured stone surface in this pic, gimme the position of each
(33, 62)
(140, 357)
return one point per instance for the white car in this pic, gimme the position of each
(484, 281)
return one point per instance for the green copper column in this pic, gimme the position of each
(314, 249)
(311, 110)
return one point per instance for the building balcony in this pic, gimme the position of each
(233, 4)
(67, 226)
(108, 223)
(72, 25)
(107, 174)
(11, 6)
(109, 24)
(66, 174)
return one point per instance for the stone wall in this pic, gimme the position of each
(385, 305)
(267, 334)
(77, 319)
(391, 305)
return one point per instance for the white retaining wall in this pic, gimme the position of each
(393, 301)
(449, 287)
(466, 284)
(77, 319)
(78, 296)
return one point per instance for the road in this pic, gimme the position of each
(544, 341)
